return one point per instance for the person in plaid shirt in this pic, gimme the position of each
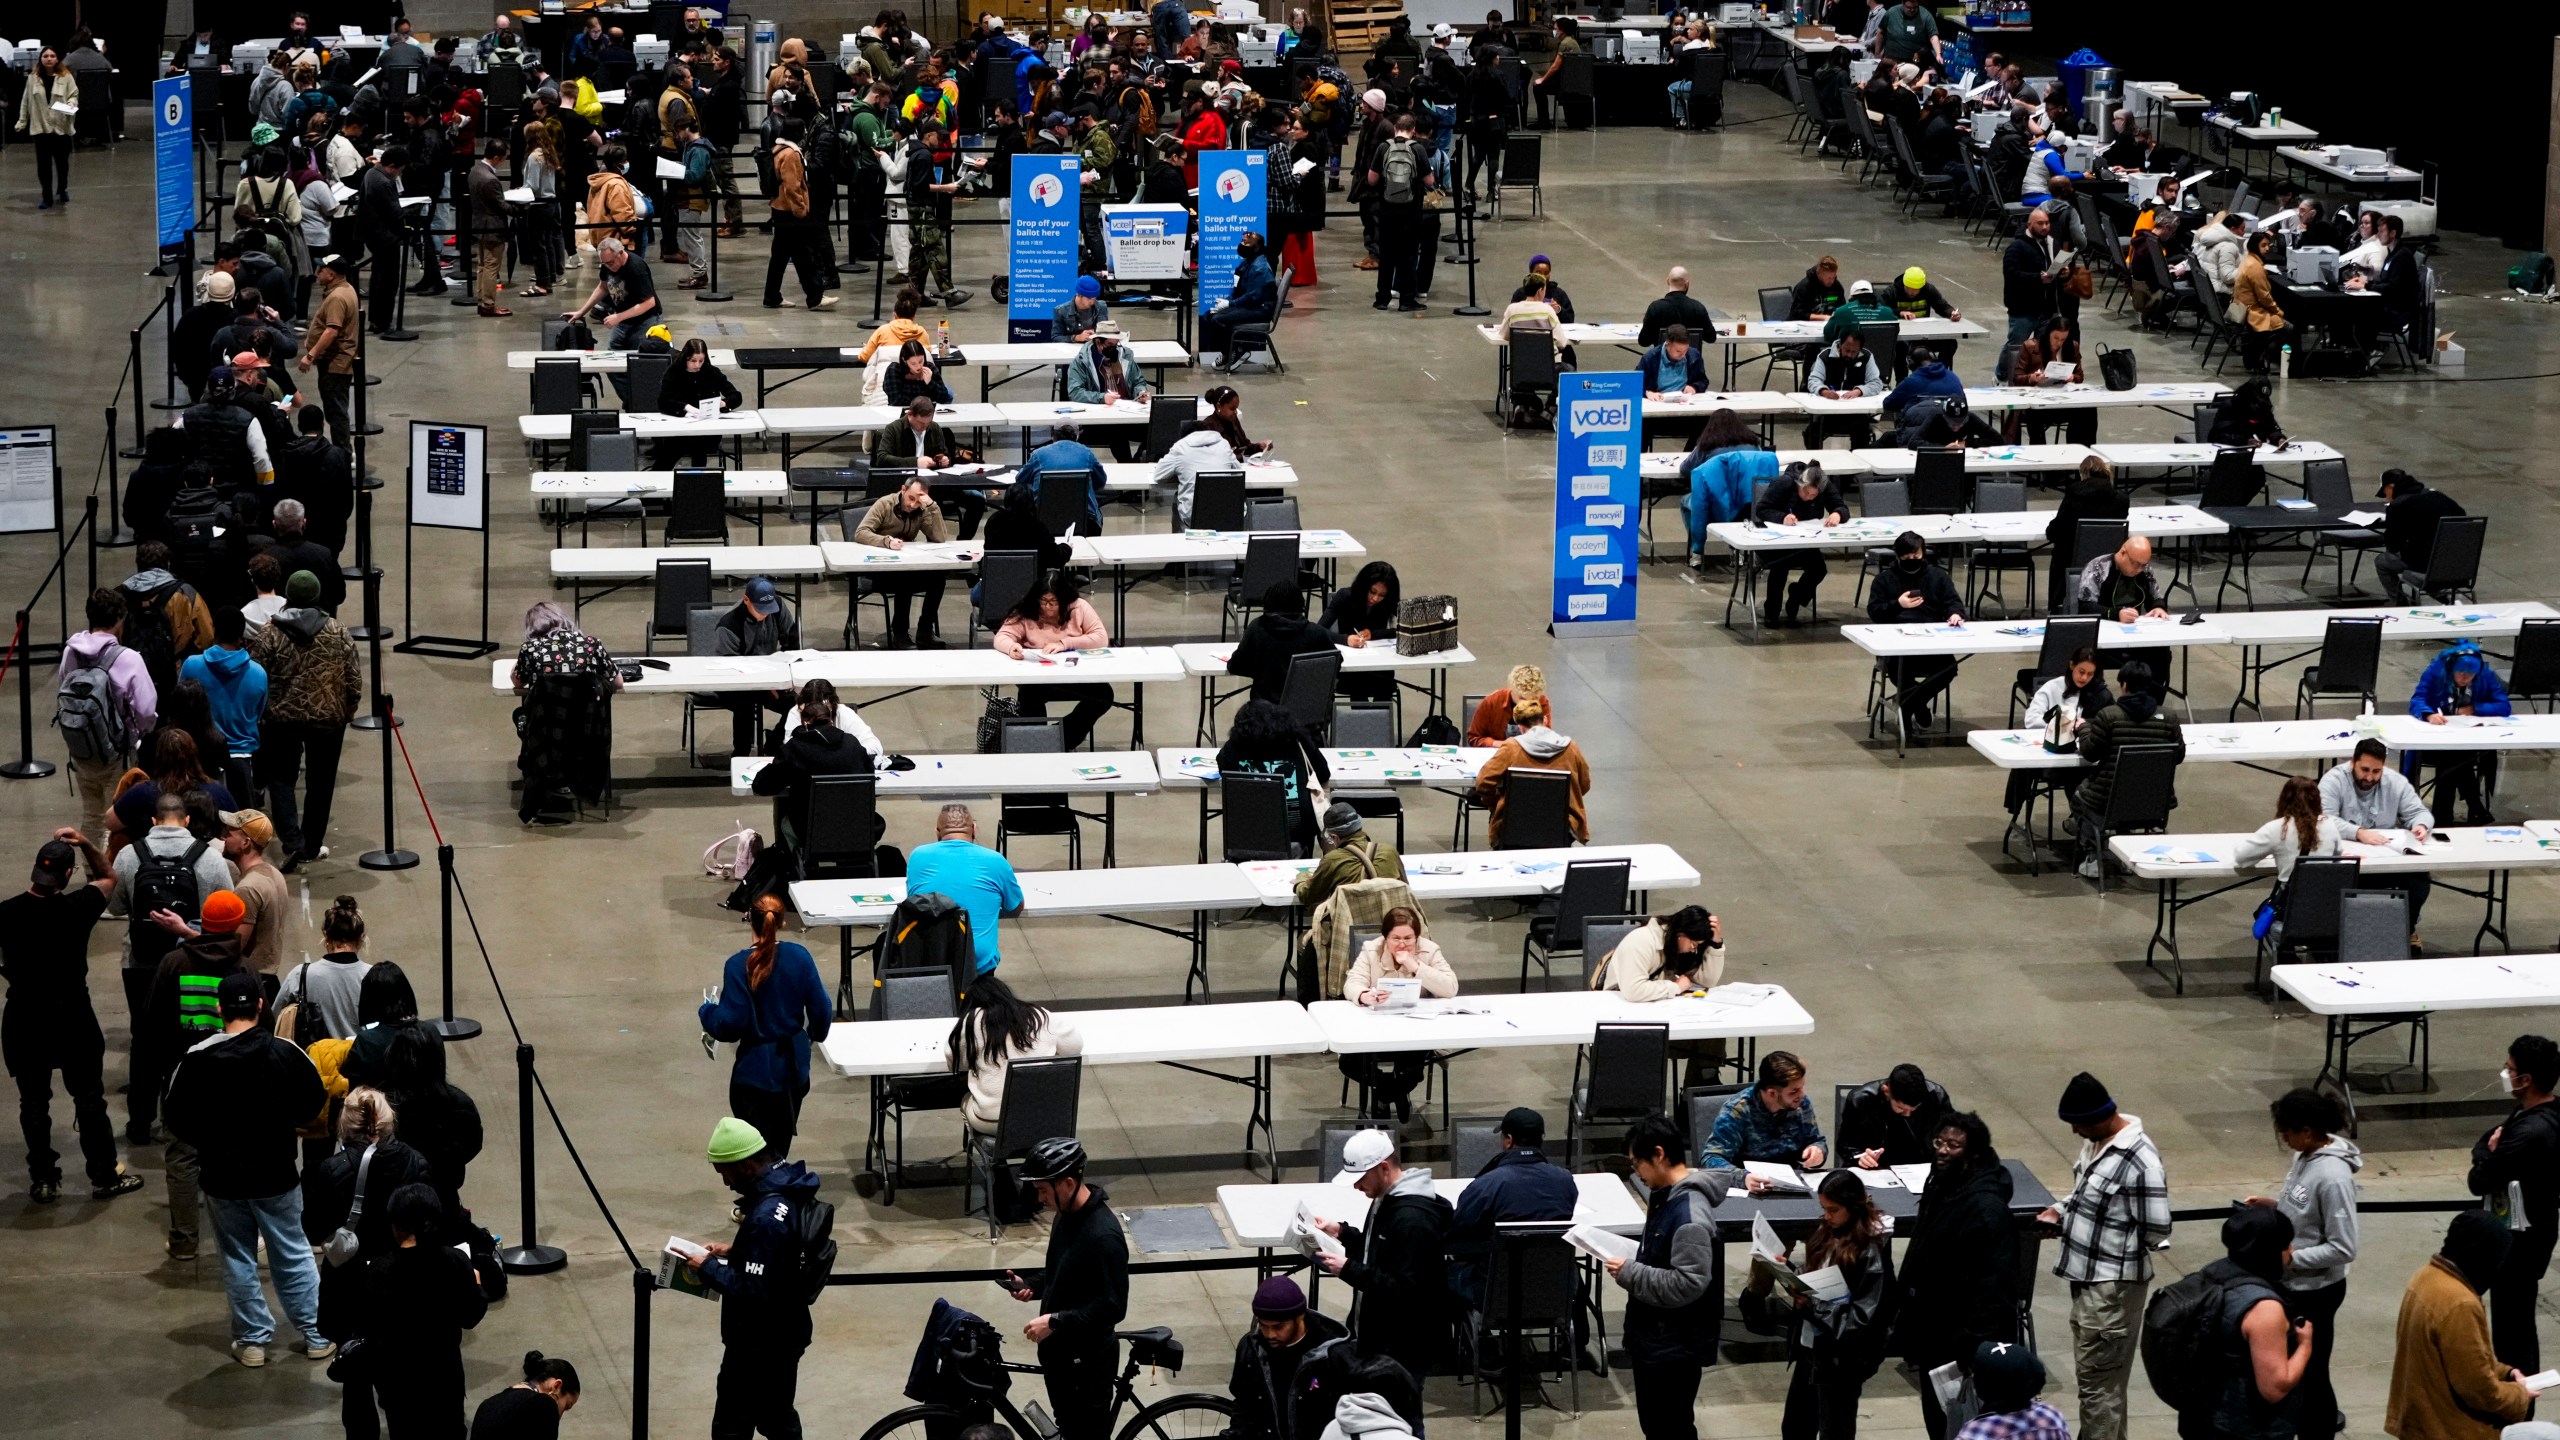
(2116, 1214)
(2008, 1377)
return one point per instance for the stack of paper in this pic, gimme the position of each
(1309, 1240)
(1914, 1178)
(1600, 1244)
(1774, 1176)
(675, 1268)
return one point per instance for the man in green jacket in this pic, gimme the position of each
(1863, 309)
(1351, 855)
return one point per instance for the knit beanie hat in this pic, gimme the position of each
(1088, 287)
(303, 588)
(2084, 1099)
(223, 912)
(1278, 1298)
(734, 1139)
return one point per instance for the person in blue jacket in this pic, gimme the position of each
(1674, 366)
(1725, 470)
(1252, 300)
(774, 1006)
(764, 1294)
(1933, 379)
(1519, 1183)
(2459, 682)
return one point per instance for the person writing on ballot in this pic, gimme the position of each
(1804, 495)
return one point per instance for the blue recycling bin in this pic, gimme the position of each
(2074, 72)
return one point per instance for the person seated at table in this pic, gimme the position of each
(1105, 372)
(1845, 371)
(1803, 496)
(1527, 316)
(2129, 152)
(1490, 724)
(921, 441)
(1279, 633)
(759, 624)
(2137, 717)
(816, 746)
(1818, 293)
(916, 376)
(2050, 355)
(1772, 1121)
(1931, 378)
(2459, 682)
(2215, 247)
(1015, 524)
(1910, 296)
(1860, 308)
(1915, 591)
(1538, 746)
(1074, 321)
(2247, 419)
(2401, 286)
(2294, 220)
(1674, 367)
(902, 326)
(690, 381)
(2378, 801)
(1723, 471)
(2299, 828)
(1266, 740)
(1545, 270)
(2090, 495)
(893, 523)
(1892, 1121)
(2411, 513)
(2075, 696)
(1065, 460)
(1676, 307)
(1350, 854)
(1054, 619)
(1361, 614)
(980, 880)
(1252, 298)
(1518, 1184)
(997, 1027)
(2254, 297)
(1399, 952)
(2366, 254)
(2058, 121)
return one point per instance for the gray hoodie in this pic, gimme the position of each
(1361, 1413)
(1691, 1267)
(1543, 743)
(2319, 1197)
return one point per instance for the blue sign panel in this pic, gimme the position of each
(1234, 199)
(1599, 437)
(173, 157)
(1047, 211)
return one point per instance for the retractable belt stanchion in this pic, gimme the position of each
(711, 293)
(449, 1025)
(390, 856)
(528, 1258)
(26, 766)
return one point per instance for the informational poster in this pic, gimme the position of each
(1234, 199)
(1146, 242)
(27, 496)
(173, 158)
(1048, 215)
(1599, 439)
(448, 475)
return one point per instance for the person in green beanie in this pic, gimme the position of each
(764, 1296)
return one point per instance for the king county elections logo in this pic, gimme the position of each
(173, 111)
(1047, 190)
(1232, 185)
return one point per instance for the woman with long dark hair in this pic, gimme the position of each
(174, 765)
(1835, 1345)
(1265, 740)
(773, 1004)
(1054, 618)
(49, 111)
(997, 1027)
(1361, 614)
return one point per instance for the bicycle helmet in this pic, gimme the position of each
(1060, 1157)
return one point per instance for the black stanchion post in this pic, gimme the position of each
(377, 714)
(1467, 232)
(89, 523)
(879, 291)
(643, 1284)
(711, 293)
(450, 1026)
(530, 1258)
(399, 330)
(368, 574)
(390, 856)
(26, 766)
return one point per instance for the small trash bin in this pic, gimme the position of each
(2074, 72)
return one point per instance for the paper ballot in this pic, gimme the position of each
(675, 1267)
(1777, 1177)
(1914, 1178)
(1299, 170)
(1600, 1244)
(1310, 1241)
(670, 169)
(1765, 1244)
(1948, 1381)
(2543, 1381)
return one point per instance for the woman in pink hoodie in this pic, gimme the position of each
(1050, 623)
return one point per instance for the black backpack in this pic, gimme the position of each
(813, 1230)
(195, 517)
(163, 882)
(929, 931)
(1436, 730)
(768, 178)
(2184, 1347)
(147, 633)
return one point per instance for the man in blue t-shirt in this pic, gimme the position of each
(977, 878)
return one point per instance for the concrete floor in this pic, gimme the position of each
(1873, 887)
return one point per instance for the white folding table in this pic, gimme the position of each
(2357, 1001)
(541, 432)
(1735, 331)
(601, 362)
(680, 674)
(1355, 771)
(1260, 1215)
(2006, 637)
(1121, 554)
(620, 492)
(2300, 632)
(619, 567)
(904, 671)
(970, 776)
(1209, 663)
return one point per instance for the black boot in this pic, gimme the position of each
(900, 607)
(929, 633)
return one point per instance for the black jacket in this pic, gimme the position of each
(736, 625)
(1780, 500)
(1868, 1122)
(1350, 610)
(307, 554)
(1262, 655)
(238, 1100)
(1678, 307)
(413, 1307)
(2083, 499)
(1084, 1278)
(2024, 288)
(758, 1281)
(1959, 1268)
(320, 474)
(329, 1192)
(1810, 294)
(2529, 1153)
(2409, 526)
(1399, 1266)
(191, 344)
(812, 751)
(683, 387)
(1016, 530)
(442, 1123)
(1938, 598)
(1267, 1384)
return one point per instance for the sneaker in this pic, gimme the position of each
(1697, 560)
(45, 1192)
(824, 302)
(1377, 304)
(318, 1350)
(250, 1356)
(125, 1183)
(956, 298)
(2091, 868)
(782, 304)
(181, 1246)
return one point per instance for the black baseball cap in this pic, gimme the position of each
(240, 995)
(53, 864)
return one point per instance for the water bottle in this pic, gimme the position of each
(942, 337)
(2284, 363)
(2368, 726)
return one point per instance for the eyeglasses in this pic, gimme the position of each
(1948, 1145)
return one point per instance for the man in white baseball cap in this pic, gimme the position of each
(1400, 1263)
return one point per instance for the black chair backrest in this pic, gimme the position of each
(1699, 1105)
(2455, 562)
(1473, 1140)
(1004, 577)
(699, 508)
(1167, 417)
(1999, 497)
(2373, 925)
(2145, 789)
(702, 630)
(2326, 484)
(2536, 668)
(502, 86)
(1334, 1134)
(925, 994)
(1536, 809)
(1577, 76)
(882, 481)
(1271, 513)
(1031, 735)
(584, 425)
(1885, 499)
(559, 384)
(1270, 558)
(1524, 153)
(1306, 692)
(842, 826)
(1591, 887)
(1254, 811)
(2350, 654)
(1937, 482)
(1040, 1101)
(1217, 500)
(2061, 637)
(647, 374)
(1364, 724)
(1533, 361)
(1776, 301)
(1707, 69)
(1883, 341)
(682, 584)
(1629, 1066)
(2093, 538)
(611, 450)
(2311, 897)
(1549, 1282)
(2237, 479)
(1061, 497)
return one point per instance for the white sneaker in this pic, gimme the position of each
(2092, 868)
(250, 1356)
(828, 303)
(1697, 560)
(318, 1350)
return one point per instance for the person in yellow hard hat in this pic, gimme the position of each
(1912, 297)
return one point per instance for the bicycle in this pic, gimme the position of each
(979, 1366)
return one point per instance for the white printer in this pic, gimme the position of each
(2311, 265)
(1640, 48)
(1735, 12)
(2358, 157)
(648, 52)
(1986, 123)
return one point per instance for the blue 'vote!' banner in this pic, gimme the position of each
(1599, 437)
(1048, 210)
(173, 158)
(1234, 199)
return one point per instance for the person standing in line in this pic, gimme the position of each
(333, 341)
(773, 1004)
(2008, 1377)
(115, 705)
(2261, 1349)
(237, 1098)
(1082, 1289)
(369, 1164)
(48, 112)
(1959, 1270)
(411, 1309)
(335, 981)
(531, 1408)
(2519, 1160)
(246, 834)
(237, 688)
(764, 1297)
(1277, 1361)
(1400, 174)
(489, 223)
(2116, 1214)
(795, 236)
(379, 215)
(314, 686)
(1397, 1263)
(49, 1023)
(1675, 1283)
(2446, 1383)
(2319, 1196)
(1836, 1345)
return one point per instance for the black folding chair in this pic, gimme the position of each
(1217, 501)
(840, 835)
(1591, 887)
(1168, 416)
(1622, 1075)
(2146, 790)
(1536, 809)
(924, 994)
(1004, 577)
(2534, 673)
(681, 585)
(1041, 1097)
(1040, 812)
(1306, 692)
(1253, 812)
(698, 509)
(2453, 567)
(1270, 558)
(1061, 497)
(2053, 656)
(2349, 667)
(2308, 919)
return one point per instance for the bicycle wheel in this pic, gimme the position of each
(917, 1422)
(1192, 1416)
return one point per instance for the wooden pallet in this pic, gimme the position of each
(1359, 24)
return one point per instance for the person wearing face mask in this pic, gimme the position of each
(2519, 1161)
(1912, 591)
(1773, 1120)
(1253, 300)
(691, 381)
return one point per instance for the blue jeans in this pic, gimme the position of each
(627, 336)
(237, 1225)
(1444, 136)
(1680, 100)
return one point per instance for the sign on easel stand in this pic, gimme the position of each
(1599, 437)
(1042, 243)
(448, 490)
(30, 481)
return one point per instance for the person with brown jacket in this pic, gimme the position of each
(489, 226)
(796, 237)
(612, 202)
(892, 523)
(1540, 747)
(331, 342)
(2446, 1383)
(313, 687)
